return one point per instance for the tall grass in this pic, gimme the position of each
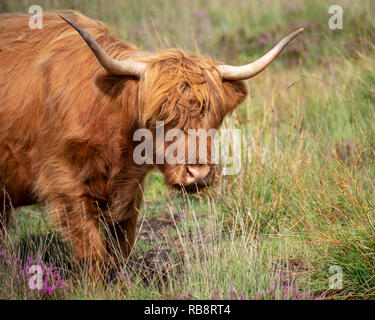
(304, 198)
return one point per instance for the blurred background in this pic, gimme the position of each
(228, 30)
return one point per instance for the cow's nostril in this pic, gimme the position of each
(189, 172)
(195, 178)
(196, 173)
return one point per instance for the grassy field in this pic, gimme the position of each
(303, 202)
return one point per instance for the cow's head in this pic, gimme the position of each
(178, 90)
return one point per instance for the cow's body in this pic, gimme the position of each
(65, 138)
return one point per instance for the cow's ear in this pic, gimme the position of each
(117, 87)
(235, 93)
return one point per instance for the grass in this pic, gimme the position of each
(304, 198)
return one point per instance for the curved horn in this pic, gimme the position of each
(113, 66)
(252, 69)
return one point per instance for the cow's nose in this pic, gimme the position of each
(196, 174)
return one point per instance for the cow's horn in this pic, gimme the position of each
(252, 69)
(113, 66)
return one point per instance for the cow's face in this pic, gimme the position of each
(184, 99)
(183, 92)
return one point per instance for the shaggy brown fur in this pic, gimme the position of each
(66, 126)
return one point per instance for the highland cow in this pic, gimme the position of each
(68, 113)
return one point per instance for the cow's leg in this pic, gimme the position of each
(79, 223)
(121, 239)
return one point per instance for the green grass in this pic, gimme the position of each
(304, 198)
